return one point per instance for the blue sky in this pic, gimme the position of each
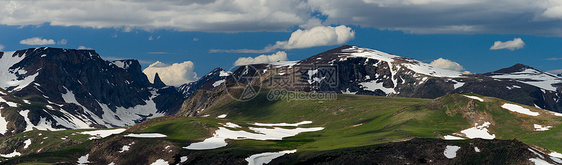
(178, 31)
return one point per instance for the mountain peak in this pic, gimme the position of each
(158, 82)
(515, 68)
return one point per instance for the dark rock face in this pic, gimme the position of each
(158, 82)
(204, 82)
(92, 90)
(426, 151)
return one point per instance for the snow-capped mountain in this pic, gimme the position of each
(51, 88)
(355, 70)
(211, 80)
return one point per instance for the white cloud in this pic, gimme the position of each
(447, 16)
(193, 15)
(516, 43)
(553, 59)
(279, 56)
(558, 71)
(37, 41)
(447, 64)
(63, 42)
(534, 17)
(195, 39)
(317, 36)
(175, 74)
(2, 47)
(83, 48)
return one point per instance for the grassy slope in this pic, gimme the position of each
(382, 119)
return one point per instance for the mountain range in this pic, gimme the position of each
(377, 103)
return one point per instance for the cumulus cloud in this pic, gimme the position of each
(37, 41)
(276, 57)
(447, 64)
(317, 36)
(534, 17)
(516, 43)
(2, 47)
(193, 15)
(63, 42)
(174, 75)
(83, 48)
(446, 16)
(558, 71)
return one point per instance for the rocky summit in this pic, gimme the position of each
(53, 89)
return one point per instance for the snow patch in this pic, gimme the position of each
(538, 161)
(476, 149)
(519, 109)
(221, 134)
(475, 98)
(283, 124)
(183, 159)
(479, 132)
(11, 104)
(348, 92)
(223, 73)
(451, 151)
(451, 137)
(160, 162)
(218, 82)
(83, 159)
(231, 125)
(541, 128)
(146, 135)
(124, 148)
(98, 134)
(373, 85)
(265, 158)
(11, 155)
(221, 116)
(556, 113)
(26, 143)
(3, 123)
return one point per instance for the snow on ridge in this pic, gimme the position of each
(474, 97)
(414, 65)
(533, 77)
(223, 73)
(120, 64)
(265, 158)
(127, 116)
(519, 109)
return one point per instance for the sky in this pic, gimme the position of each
(189, 38)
